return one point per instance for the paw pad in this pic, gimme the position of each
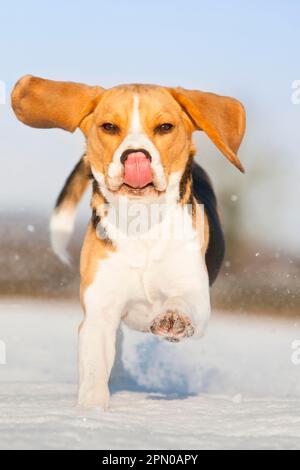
(172, 326)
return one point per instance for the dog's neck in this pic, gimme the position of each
(104, 202)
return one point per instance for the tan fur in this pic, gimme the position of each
(80, 181)
(47, 104)
(220, 117)
(94, 249)
(206, 235)
(173, 148)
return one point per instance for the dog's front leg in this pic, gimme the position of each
(182, 317)
(187, 309)
(97, 345)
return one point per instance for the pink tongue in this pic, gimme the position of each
(138, 171)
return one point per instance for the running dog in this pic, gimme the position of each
(139, 154)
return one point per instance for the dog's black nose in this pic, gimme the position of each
(131, 151)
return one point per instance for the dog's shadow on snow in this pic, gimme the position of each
(171, 396)
(129, 384)
(156, 368)
(153, 393)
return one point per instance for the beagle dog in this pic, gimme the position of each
(139, 157)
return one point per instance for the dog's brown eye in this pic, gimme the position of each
(110, 128)
(164, 128)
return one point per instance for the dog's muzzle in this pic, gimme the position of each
(137, 168)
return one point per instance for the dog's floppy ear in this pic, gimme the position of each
(48, 104)
(220, 117)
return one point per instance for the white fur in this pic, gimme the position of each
(117, 204)
(61, 228)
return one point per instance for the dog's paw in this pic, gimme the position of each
(172, 326)
(93, 398)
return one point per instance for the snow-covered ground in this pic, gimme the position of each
(236, 388)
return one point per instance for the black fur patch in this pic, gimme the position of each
(95, 219)
(95, 186)
(65, 190)
(204, 194)
(100, 230)
(185, 177)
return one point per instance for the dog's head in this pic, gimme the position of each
(139, 137)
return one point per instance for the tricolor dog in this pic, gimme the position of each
(139, 156)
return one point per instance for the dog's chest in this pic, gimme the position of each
(143, 272)
(146, 273)
(155, 264)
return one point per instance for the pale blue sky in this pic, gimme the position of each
(248, 49)
(195, 42)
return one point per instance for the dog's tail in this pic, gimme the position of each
(63, 217)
